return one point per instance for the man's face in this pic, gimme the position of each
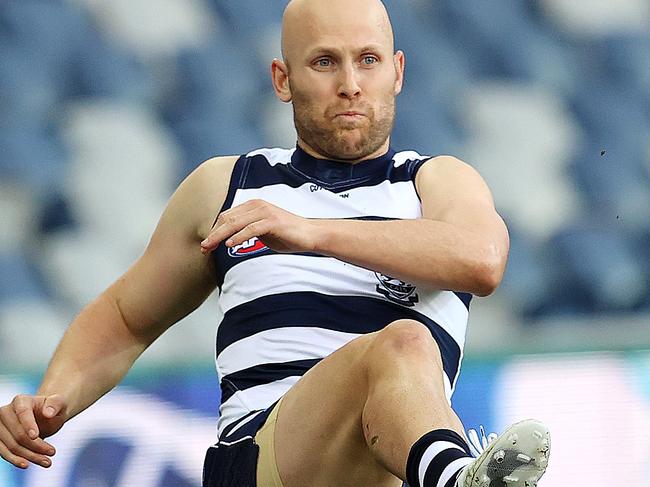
(343, 79)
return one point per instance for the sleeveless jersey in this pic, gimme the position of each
(283, 313)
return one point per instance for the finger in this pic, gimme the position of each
(23, 407)
(11, 458)
(18, 434)
(255, 229)
(235, 212)
(17, 454)
(225, 227)
(246, 206)
(53, 405)
(43, 447)
(229, 225)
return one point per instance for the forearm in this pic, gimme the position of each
(424, 252)
(93, 356)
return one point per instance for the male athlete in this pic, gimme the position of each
(345, 271)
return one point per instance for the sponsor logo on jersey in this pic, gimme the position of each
(397, 290)
(249, 247)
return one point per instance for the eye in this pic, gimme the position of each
(369, 60)
(323, 62)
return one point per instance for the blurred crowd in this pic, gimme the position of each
(106, 106)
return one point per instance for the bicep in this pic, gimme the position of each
(453, 192)
(164, 285)
(173, 277)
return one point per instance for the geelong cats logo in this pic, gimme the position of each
(249, 247)
(396, 290)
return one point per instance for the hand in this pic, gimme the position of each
(278, 229)
(23, 425)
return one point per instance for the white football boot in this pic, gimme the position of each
(516, 458)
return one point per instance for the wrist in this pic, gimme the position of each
(66, 391)
(322, 236)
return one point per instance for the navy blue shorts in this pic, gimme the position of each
(232, 462)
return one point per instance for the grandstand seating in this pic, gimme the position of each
(99, 121)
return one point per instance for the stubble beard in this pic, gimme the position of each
(338, 141)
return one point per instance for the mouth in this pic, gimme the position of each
(350, 115)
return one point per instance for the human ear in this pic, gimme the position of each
(399, 62)
(280, 79)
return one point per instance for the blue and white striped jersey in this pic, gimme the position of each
(285, 312)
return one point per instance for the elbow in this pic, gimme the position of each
(489, 273)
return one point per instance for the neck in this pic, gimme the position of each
(314, 153)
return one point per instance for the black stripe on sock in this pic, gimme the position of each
(420, 446)
(438, 465)
(452, 481)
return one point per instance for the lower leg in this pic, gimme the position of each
(405, 398)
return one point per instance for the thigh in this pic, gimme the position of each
(319, 439)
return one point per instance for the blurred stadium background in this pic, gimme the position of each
(106, 106)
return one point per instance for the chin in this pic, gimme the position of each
(350, 150)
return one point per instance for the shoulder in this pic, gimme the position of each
(198, 199)
(445, 165)
(209, 180)
(214, 170)
(444, 172)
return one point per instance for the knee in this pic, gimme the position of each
(405, 339)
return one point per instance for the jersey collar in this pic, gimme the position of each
(334, 171)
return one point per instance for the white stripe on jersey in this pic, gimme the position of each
(282, 345)
(325, 275)
(283, 156)
(258, 397)
(388, 200)
(245, 422)
(264, 275)
(407, 155)
(274, 156)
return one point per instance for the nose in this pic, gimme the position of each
(349, 83)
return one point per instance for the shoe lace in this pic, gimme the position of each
(478, 444)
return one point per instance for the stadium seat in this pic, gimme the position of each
(514, 47)
(625, 59)
(602, 262)
(32, 158)
(18, 277)
(601, 17)
(122, 169)
(435, 65)
(177, 24)
(102, 69)
(614, 185)
(244, 17)
(97, 106)
(529, 276)
(41, 320)
(425, 126)
(214, 110)
(521, 138)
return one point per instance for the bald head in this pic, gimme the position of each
(341, 73)
(308, 21)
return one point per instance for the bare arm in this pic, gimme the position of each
(166, 283)
(461, 243)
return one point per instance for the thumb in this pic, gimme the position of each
(53, 405)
